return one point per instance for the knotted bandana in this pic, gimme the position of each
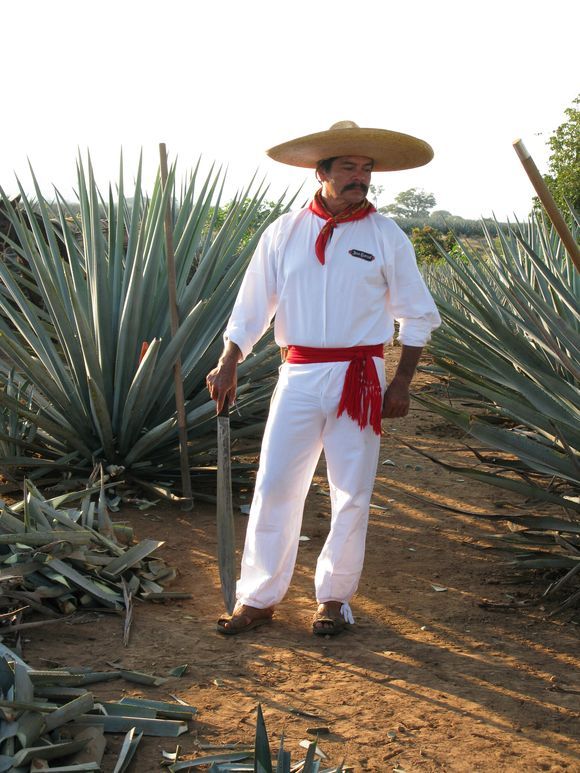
(354, 212)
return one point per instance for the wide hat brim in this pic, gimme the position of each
(389, 150)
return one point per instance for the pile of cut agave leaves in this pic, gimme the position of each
(56, 560)
(50, 715)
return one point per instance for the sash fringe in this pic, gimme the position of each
(362, 394)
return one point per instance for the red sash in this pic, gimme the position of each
(361, 393)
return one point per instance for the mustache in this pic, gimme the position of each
(356, 186)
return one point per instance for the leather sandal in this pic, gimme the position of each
(240, 621)
(326, 623)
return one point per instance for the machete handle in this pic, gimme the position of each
(225, 411)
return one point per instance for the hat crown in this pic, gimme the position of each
(345, 125)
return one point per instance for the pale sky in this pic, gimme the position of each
(226, 80)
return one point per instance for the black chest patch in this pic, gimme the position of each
(361, 254)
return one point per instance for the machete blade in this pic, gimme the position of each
(225, 513)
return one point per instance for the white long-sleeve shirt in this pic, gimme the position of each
(369, 279)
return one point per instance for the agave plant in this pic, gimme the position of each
(510, 340)
(90, 332)
(510, 351)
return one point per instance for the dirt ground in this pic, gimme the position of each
(427, 680)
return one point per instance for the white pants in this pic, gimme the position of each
(302, 422)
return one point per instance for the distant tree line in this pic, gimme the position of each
(413, 209)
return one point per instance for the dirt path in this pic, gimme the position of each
(426, 681)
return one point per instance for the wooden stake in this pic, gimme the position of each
(548, 201)
(177, 376)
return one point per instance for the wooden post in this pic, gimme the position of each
(177, 376)
(548, 201)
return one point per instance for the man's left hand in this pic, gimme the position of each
(396, 400)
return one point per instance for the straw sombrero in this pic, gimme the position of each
(389, 150)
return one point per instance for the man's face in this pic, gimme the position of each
(348, 179)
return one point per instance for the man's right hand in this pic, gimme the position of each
(222, 381)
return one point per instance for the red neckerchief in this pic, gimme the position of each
(354, 212)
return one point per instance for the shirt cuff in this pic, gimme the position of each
(417, 332)
(237, 337)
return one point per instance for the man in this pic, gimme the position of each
(336, 275)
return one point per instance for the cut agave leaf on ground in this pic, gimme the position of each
(94, 750)
(210, 759)
(151, 727)
(128, 599)
(302, 713)
(130, 558)
(59, 677)
(78, 768)
(125, 710)
(62, 678)
(171, 756)
(107, 597)
(51, 752)
(36, 538)
(6, 675)
(94, 677)
(69, 711)
(179, 670)
(7, 655)
(130, 744)
(138, 677)
(163, 708)
(23, 687)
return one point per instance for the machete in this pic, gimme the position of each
(225, 515)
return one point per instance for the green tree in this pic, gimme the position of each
(563, 178)
(424, 244)
(411, 203)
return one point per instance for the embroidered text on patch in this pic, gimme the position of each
(361, 254)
